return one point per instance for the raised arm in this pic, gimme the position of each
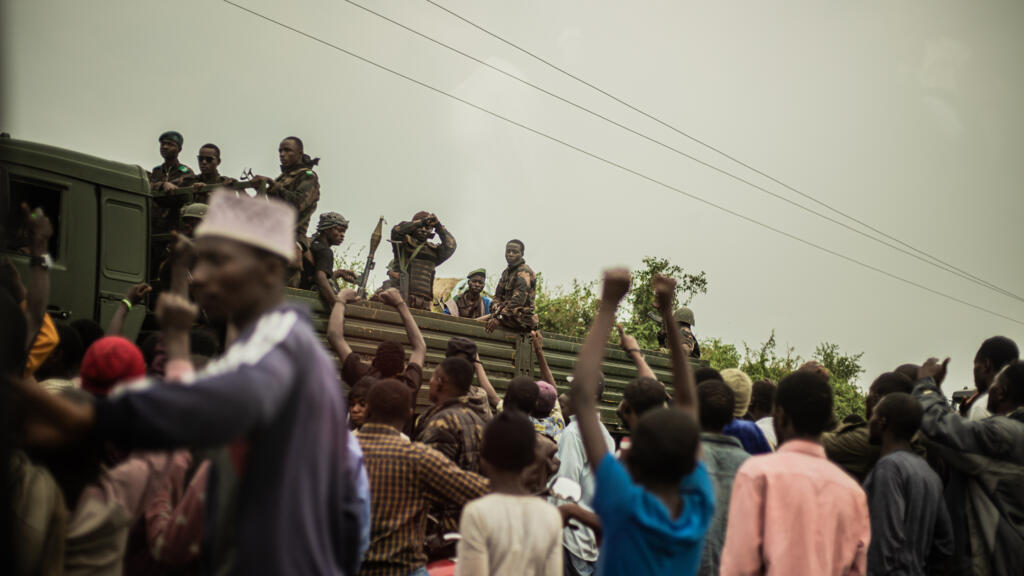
(588, 366)
(392, 297)
(336, 324)
(40, 230)
(682, 378)
(448, 245)
(485, 383)
(323, 286)
(132, 298)
(537, 340)
(632, 348)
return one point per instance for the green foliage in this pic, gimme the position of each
(764, 362)
(845, 372)
(640, 300)
(568, 312)
(720, 354)
(354, 259)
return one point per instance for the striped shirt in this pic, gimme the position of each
(405, 478)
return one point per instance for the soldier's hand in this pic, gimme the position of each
(391, 297)
(167, 187)
(626, 341)
(197, 186)
(136, 293)
(175, 312)
(615, 284)
(492, 325)
(934, 370)
(664, 291)
(347, 295)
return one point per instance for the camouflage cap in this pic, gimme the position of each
(173, 136)
(330, 220)
(196, 210)
(477, 272)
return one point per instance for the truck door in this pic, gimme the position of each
(123, 247)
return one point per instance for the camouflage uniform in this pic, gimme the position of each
(420, 259)
(165, 209)
(300, 187)
(514, 298)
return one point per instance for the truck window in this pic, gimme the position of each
(36, 194)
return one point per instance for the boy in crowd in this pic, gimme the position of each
(655, 515)
(509, 531)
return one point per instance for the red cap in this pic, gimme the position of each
(110, 361)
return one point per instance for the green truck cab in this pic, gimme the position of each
(103, 244)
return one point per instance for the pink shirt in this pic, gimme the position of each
(794, 512)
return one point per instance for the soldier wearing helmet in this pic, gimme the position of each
(683, 318)
(188, 219)
(318, 262)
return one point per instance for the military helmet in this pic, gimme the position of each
(196, 210)
(684, 316)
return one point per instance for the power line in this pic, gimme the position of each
(620, 166)
(921, 254)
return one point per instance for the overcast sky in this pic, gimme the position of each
(905, 115)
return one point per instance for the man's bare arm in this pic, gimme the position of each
(682, 378)
(485, 383)
(588, 366)
(336, 324)
(538, 347)
(393, 297)
(40, 230)
(632, 348)
(132, 298)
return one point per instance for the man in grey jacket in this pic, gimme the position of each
(985, 493)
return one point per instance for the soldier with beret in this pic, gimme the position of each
(471, 303)
(172, 173)
(318, 262)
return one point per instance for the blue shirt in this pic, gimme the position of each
(749, 435)
(640, 536)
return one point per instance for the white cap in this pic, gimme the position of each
(265, 223)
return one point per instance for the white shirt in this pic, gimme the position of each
(979, 408)
(767, 425)
(509, 534)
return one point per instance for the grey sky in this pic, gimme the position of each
(905, 115)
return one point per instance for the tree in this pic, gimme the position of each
(764, 362)
(640, 313)
(719, 354)
(845, 369)
(354, 259)
(567, 312)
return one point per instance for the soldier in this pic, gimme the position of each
(172, 173)
(209, 161)
(191, 216)
(416, 258)
(298, 184)
(164, 180)
(471, 303)
(684, 320)
(318, 262)
(513, 298)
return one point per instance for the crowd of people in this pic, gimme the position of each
(243, 449)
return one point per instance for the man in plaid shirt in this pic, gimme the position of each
(405, 478)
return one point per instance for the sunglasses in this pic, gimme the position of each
(206, 158)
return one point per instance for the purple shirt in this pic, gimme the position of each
(749, 435)
(277, 391)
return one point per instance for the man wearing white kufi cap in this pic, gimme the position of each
(274, 399)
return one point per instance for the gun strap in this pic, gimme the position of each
(403, 264)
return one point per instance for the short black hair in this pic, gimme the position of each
(521, 394)
(806, 398)
(999, 351)
(715, 403)
(902, 413)
(203, 343)
(663, 446)
(89, 331)
(389, 359)
(762, 395)
(461, 346)
(705, 373)
(215, 148)
(298, 142)
(388, 400)
(360, 389)
(522, 247)
(509, 441)
(892, 382)
(1014, 375)
(459, 373)
(643, 394)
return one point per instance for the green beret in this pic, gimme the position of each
(477, 272)
(173, 136)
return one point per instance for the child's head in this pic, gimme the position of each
(663, 447)
(509, 443)
(522, 394)
(357, 401)
(547, 397)
(389, 359)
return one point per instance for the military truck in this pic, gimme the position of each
(103, 244)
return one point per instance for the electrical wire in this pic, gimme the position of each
(920, 254)
(621, 166)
